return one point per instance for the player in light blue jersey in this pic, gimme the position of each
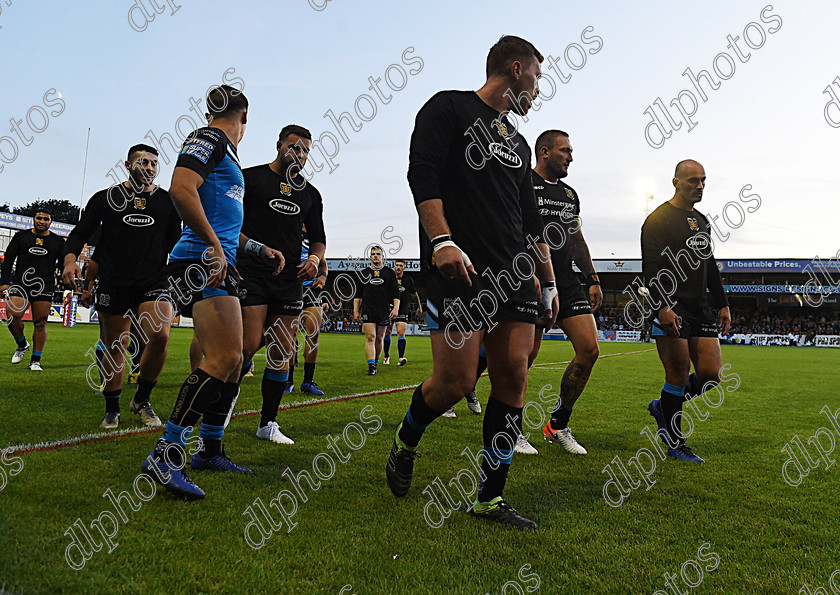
(207, 190)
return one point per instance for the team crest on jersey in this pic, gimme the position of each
(502, 128)
(286, 188)
(569, 193)
(39, 241)
(692, 224)
(140, 202)
(375, 273)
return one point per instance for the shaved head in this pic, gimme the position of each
(683, 165)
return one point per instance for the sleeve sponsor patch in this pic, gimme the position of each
(200, 149)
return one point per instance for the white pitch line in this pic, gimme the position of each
(86, 438)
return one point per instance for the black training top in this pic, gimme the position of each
(275, 215)
(559, 207)
(377, 289)
(405, 286)
(676, 244)
(37, 257)
(469, 155)
(138, 231)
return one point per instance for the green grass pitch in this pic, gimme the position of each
(734, 523)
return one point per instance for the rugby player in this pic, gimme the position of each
(677, 246)
(376, 305)
(139, 226)
(207, 189)
(560, 209)
(407, 291)
(278, 203)
(37, 252)
(312, 316)
(469, 172)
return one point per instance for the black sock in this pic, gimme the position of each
(308, 372)
(693, 388)
(401, 347)
(671, 405)
(560, 418)
(112, 400)
(291, 379)
(482, 365)
(197, 391)
(35, 357)
(144, 390)
(215, 415)
(386, 346)
(273, 386)
(417, 419)
(21, 341)
(502, 426)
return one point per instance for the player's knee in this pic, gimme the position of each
(40, 323)
(230, 360)
(590, 354)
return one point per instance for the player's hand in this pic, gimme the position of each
(356, 317)
(214, 258)
(393, 315)
(4, 289)
(725, 320)
(669, 321)
(86, 299)
(71, 273)
(548, 316)
(307, 270)
(274, 258)
(453, 263)
(595, 297)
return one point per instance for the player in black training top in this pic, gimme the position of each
(469, 171)
(37, 252)
(278, 203)
(139, 226)
(679, 268)
(376, 305)
(407, 292)
(560, 209)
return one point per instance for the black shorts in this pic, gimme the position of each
(378, 318)
(452, 304)
(694, 322)
(283, 296)
(311, 297)
(188, 282)
(401, 318)
(38, 290)
(111, 299)
(573, 301)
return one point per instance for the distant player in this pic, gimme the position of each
(139, 226)
(278, 203)
(469, 173)
(37, 252)
(376, 305)
(207, 189)
(679, 268)
(407, 292)
(311, 318)
(560, 209)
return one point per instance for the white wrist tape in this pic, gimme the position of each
(548, 295)
(253, 247)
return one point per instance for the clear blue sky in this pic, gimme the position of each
(764, 126)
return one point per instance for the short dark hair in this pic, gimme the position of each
(224, 100)
(509, 49)
(141, 148)
(547, 139)
(377, 247)
(43, 212)
(294, 129)
(402, 260)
